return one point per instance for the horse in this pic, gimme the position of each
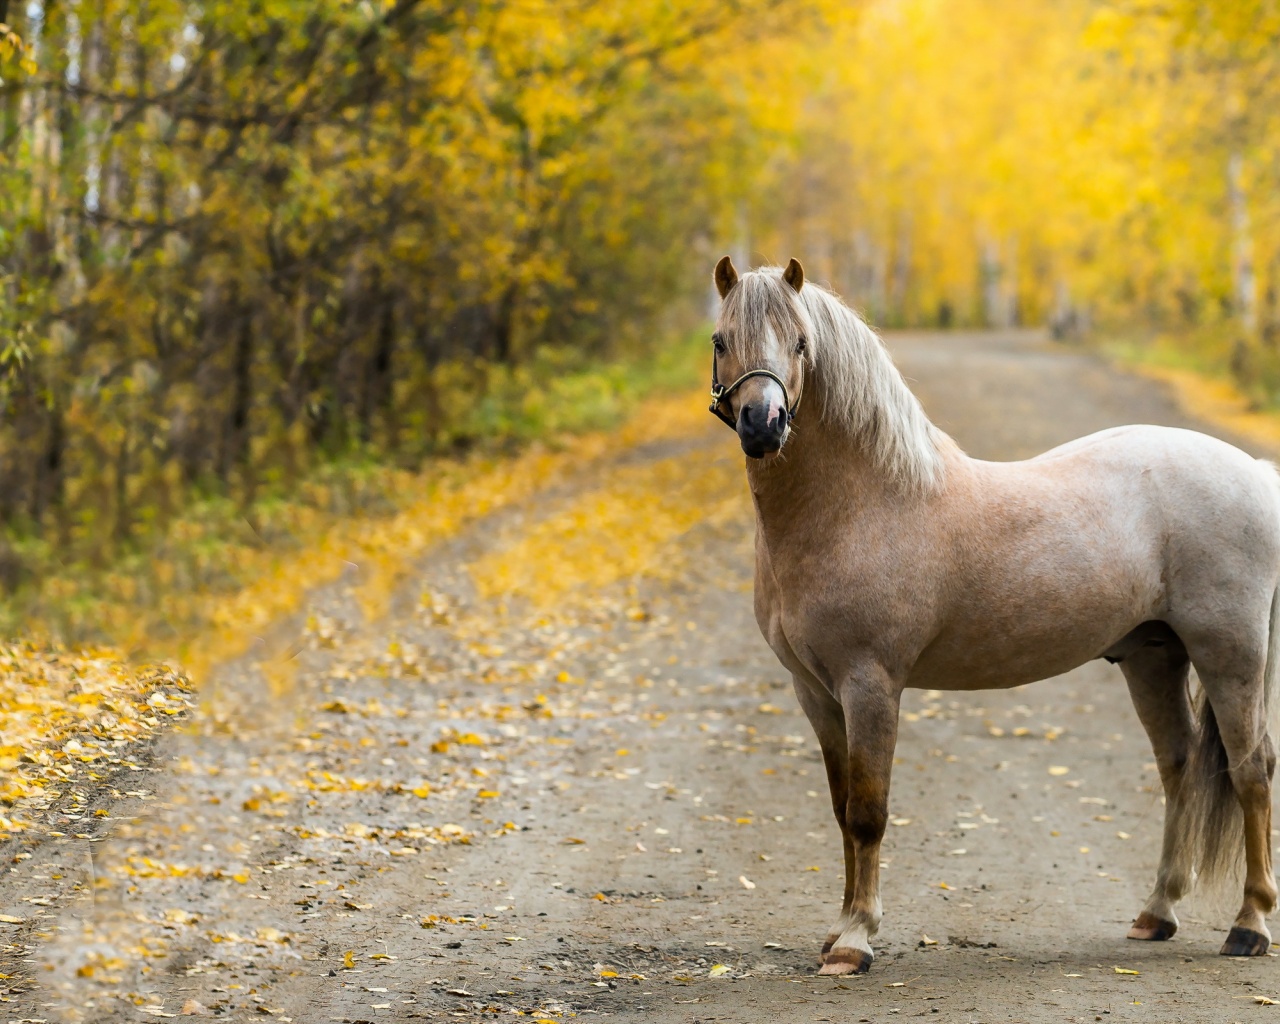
(886, 558)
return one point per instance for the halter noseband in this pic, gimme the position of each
(720, 393)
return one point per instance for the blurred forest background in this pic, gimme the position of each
(261, 258)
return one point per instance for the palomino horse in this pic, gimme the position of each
(887, 558)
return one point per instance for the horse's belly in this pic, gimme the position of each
(998, 674)
(981, 659)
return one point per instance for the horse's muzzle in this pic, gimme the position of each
(761, 430)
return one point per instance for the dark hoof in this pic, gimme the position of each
(1150, 928)
(846, 961)
(1245, 942)
(826, 948)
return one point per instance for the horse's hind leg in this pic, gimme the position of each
(1238, 717)
(1157, 678)
(1251, 778)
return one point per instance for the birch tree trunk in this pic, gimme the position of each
(1244, 281)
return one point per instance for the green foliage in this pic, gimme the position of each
(547, 398)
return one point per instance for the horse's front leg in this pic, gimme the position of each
(827, 718)
(870, 703)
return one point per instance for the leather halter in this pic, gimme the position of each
(720, 393)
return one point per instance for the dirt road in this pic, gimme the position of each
(565, 777)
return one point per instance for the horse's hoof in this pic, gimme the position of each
(826, 948)
(846, 961)
(1150, 928)
(1245, 942)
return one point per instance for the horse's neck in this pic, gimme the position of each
(823, 472)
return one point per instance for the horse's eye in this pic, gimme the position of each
(801, 345)
(718, 345)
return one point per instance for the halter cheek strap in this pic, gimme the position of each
(721, 394)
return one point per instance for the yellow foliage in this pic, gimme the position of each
(986, 162)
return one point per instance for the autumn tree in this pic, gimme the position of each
(244, 237)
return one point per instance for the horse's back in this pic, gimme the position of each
(1146, 440)
(1193, 480)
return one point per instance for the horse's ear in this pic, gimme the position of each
(726, 276)
(794, 274)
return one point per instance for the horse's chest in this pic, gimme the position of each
(787, 615)
(823, 612)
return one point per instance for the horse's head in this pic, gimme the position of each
(760, 344)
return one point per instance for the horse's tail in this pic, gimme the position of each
(1214, 821)
(1213, 812)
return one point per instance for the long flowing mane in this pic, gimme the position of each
(856, 385)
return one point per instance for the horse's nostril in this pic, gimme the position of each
(759, 424)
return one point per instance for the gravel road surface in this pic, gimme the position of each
(593, 795)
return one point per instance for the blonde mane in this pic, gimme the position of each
(849, 373)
